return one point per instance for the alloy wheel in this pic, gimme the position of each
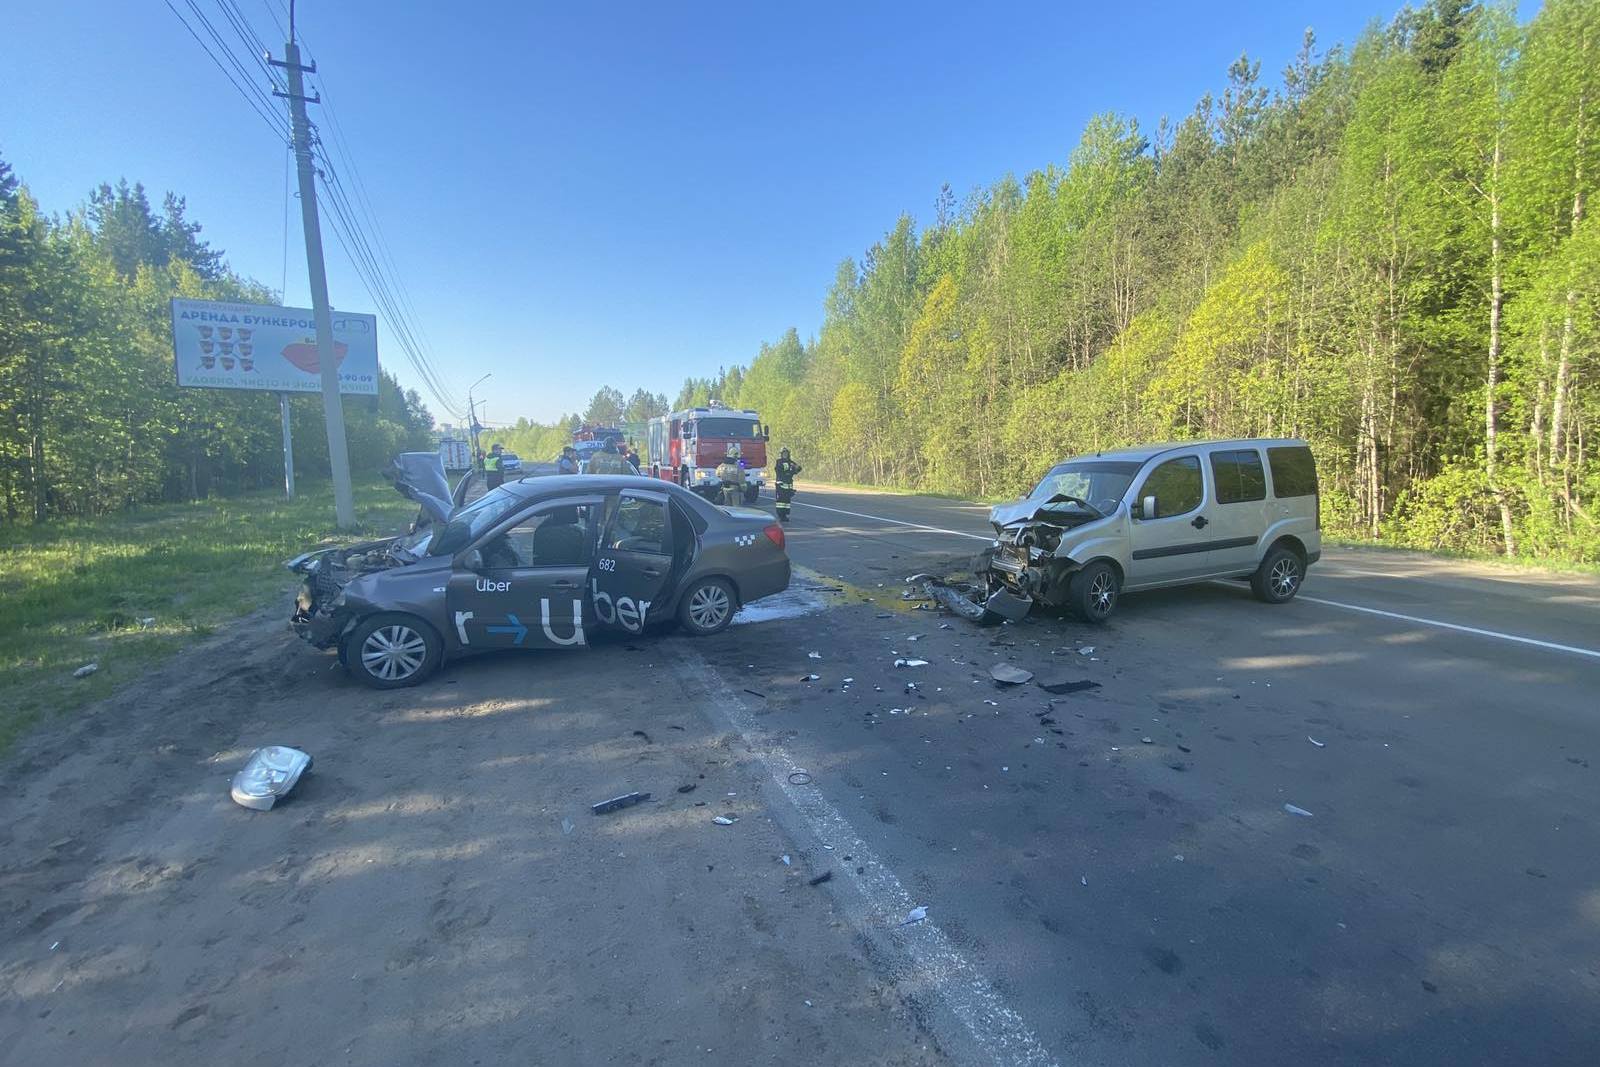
(393, 653)
(1285, 577)
(709, 606)
(1102, 593)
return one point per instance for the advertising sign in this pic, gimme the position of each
(254, 346)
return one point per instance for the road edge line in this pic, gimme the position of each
(929, 958)
(1458, 627)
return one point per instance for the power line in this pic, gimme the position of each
(246, 77)
(276, 125)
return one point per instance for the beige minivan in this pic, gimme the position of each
(1154, 516)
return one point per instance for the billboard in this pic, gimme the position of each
(221, 345)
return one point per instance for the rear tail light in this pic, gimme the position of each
(774, 534)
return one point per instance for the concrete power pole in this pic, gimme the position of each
(333, 410)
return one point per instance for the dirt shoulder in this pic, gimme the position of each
(435, 891)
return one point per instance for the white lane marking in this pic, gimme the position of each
(932, 960)
(898, 522)
(1551, 645)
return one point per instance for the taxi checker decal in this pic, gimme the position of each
(744, 540)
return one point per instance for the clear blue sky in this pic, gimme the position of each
(581, 195)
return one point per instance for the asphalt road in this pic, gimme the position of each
(1110, 875)
(1126, 873)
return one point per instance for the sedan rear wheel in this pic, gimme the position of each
(392, 651)
(707, 607)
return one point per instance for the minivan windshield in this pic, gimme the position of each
(1102, 482)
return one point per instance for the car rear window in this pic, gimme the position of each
(1239, 476)
(1294, 472)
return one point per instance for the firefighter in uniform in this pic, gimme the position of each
(730, 472)
(607, 461)
(492, 471)
(785, 472)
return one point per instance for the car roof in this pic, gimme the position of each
(1140, 453)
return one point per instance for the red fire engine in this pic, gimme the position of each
(686, 447)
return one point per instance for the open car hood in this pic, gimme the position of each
(419, 476)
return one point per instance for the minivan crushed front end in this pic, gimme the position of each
(1030, 560)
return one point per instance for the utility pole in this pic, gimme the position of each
(333, 410)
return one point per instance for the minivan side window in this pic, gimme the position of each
(1176, 485)
(1239, 476)
(1294, 472)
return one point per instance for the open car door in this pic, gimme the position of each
(634, 565)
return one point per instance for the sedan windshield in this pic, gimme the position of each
(477, 517)
(1101, 482)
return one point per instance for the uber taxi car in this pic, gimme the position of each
(537, 563)
(1155, 516)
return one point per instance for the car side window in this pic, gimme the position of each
(556, 536)
(1239, 476)
(638, 525)
(1294, 472)
(1177, 486)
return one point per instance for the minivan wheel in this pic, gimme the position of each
(1093, 592)
(707, 607)
(1278, 578)
(391, 651)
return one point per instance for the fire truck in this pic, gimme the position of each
(589, 439)
(686, 447)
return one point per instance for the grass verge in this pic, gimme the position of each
(127, 590)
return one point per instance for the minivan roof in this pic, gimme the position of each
(1140, 453)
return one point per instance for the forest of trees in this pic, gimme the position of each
(1392, 255)
(91, 418)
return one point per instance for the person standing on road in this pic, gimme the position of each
(568, 463)
(632, 456)
(492, 470)
(785, 472)
(607, 461)
(730, 472)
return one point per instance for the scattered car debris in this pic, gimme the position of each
(813, 655)
(1147, 740)
(1007, 674)
(86, 670)
(915, 915)
(641, 733)
(910, 663)
(566, 826)
(811, 677)
(784, 859)
(268, 774)
(687, 788)
(626, 800)
(752, 692)
(800, 778)
(1086, 650)
(1083, 879)
(1067, 686)
(1294, 809)
(1314, 741)
(725, 820)
(819, 879)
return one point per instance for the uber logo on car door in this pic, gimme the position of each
(623, 610)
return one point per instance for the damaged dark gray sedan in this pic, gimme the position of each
(536, 563)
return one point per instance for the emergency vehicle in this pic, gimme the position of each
(589, 439)
(686, 446)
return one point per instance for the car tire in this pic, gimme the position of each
(707, 607)
(1278, 578)
(1092, 592)
(392, 651)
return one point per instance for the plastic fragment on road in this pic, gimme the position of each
(268, 774)
(86, 670)
(1084, 879)
(626, 800)
(915, 915)
(725, 820)
(819, 879)
(1086, 650)
(687, 788)
(1006, 674)
(813, 655)
(810, 677)
(1294, 809)
(1314, 741)
(784, 859)
(910, 663)
(1066, 686)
